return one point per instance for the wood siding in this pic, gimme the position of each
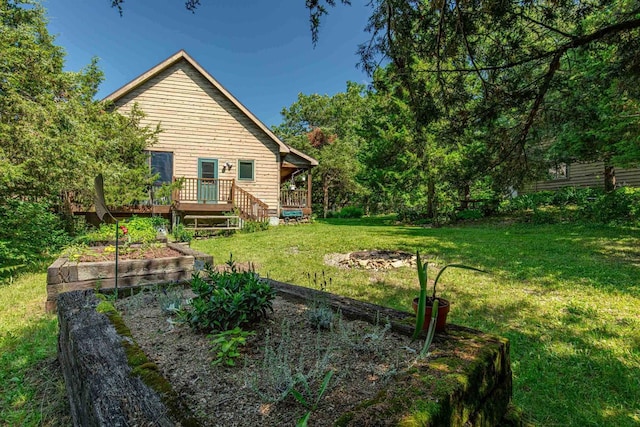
(587, 175)
(198, 121)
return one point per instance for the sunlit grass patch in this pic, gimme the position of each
(567, 297)
(33, 390)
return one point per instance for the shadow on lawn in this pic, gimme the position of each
(547, 254)
(565, 360)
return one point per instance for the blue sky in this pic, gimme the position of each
(259, 50)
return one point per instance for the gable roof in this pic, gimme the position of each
(182, 55)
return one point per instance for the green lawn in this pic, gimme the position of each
(32, 389)
(567, 296)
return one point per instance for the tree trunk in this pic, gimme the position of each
(431, 198)
(609, 177)
(465, 195)
(325, 192)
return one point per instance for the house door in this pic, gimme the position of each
(207, 182)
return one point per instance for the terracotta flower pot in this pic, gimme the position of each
(443, 311)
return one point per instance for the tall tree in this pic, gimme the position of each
(54, 137)
(326, 127)
(595, 116)
(515, 54)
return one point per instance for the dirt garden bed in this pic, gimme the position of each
(137, 265)
(364, 358)
(108, 253)
(377, 381)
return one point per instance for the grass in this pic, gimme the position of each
(567, 297)
(30, 380)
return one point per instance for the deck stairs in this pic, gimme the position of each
(233, 206)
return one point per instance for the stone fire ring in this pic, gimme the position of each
(371, 260)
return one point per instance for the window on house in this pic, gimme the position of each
(161, 163)
(559, 171)
(246, 170)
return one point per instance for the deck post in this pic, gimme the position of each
(233, 192)
(175, 196)
(309, 189)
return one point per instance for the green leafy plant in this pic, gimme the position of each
(134, 230)
(432, 329)
(255, 226)
(181, 234)
(319, 314)
(74, 251)
(171, 301)
(228, 299)
(350, 212)
(226, 345)
(422, 299)
(159, 223)
(311, 406)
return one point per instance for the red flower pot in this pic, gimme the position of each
(443, 311)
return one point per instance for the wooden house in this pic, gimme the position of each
(224, 156)
(583, 174)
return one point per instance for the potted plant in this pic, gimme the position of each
(423, 305)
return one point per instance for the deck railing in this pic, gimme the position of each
(205, 190)
(293, 198)
(209, 190)
(250, 207)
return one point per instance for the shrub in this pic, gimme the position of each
(622, 205)
(413, 215)
(227, 345)
(469, 214)
(29, 231)
(581, 204)
(159, 223)
(230, 299)
(181, 234)
(253, 226)
(139, 230)
(350, 212)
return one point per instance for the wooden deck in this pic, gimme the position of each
(193, 208)
(200, 196)
(125, 210)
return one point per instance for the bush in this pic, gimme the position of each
(469, 214)
(159, 223)
(350, 212)
(181, 234)
(230, 299)
(29, 231)
(413, 215)
(253, 226)
(139, 230)
(578, 204)
(622, 205)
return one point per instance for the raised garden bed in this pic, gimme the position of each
(66, 275)
(465, 381)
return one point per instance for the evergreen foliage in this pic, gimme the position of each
(55, 138)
